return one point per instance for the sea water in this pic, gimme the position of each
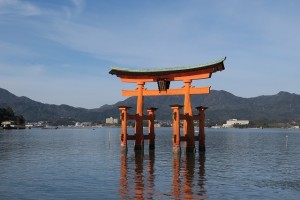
(87, 164)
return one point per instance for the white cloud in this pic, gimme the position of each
(13, 50)
(79, 4)
(144, 46)
(176, 38)
(17, 7)
(22, 70)
(72, 11)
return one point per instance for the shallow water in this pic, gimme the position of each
(87, 164)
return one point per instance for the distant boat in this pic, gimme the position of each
(50, 127)
(216, 126)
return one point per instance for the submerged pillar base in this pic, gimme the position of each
(151, 146)
(190, 149)
(176, 149)
(123, 149)
(201, 148)
(138, 147)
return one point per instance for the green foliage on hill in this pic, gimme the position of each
(7, 114)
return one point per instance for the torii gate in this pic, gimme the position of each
(163, 77)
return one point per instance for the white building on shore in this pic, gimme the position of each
(231, 122)
(111, 120)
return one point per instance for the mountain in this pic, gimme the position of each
(36, 111)
(282, 107)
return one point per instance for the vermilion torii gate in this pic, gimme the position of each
(163, 77)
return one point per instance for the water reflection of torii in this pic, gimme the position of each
(186, 189)
(163, 77)
(141, 188)
(144, 185)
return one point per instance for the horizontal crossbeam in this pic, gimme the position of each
(132, 137)
(203, 90)
(134, 117)
(184, 138)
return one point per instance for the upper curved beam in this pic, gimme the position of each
(176, 73)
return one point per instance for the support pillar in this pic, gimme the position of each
(139, 136)
(176, 128)
(123, 136)
(188, 125)
(201, 111)
(151, 134)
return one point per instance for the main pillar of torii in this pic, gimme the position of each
(163, 77)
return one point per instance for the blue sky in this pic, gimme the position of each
(61, 51)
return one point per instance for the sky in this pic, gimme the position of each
(60, 51)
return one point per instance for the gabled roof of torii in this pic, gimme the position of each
(212, 67)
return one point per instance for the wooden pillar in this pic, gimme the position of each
(188, 125)
(139, 136)
(151, 134)
(201, 111)
(176, 128)
(123, 136)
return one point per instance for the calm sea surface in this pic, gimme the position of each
(87, 164)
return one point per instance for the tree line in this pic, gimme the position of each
(7, 114)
